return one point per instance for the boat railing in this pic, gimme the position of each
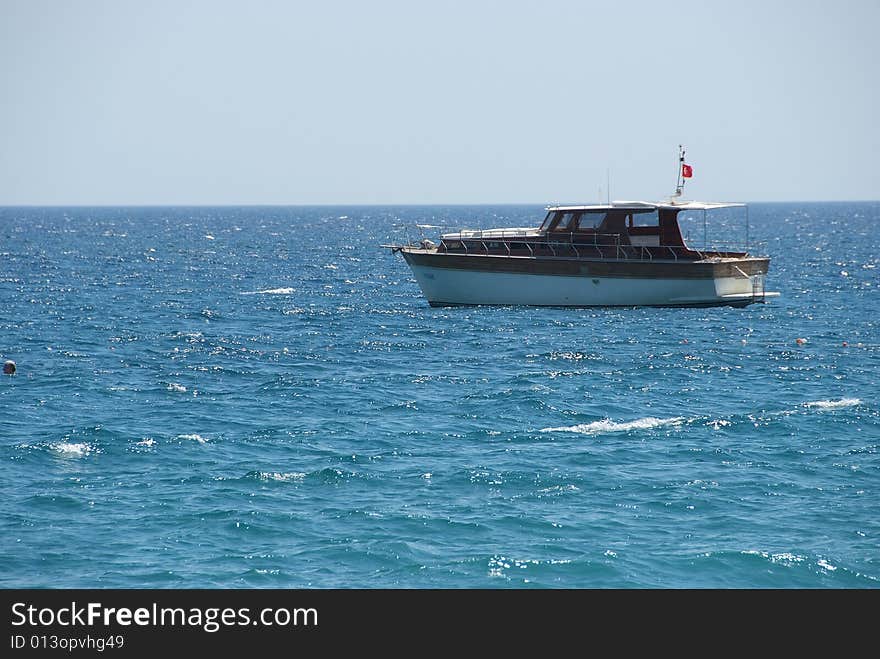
(514, 242)
(602, 245)
(732, 246)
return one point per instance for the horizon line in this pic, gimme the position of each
(382, 205)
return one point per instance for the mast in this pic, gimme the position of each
(679, 182)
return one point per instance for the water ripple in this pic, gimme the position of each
(277, 406)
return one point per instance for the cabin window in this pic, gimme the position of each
(548, 220)
(565, 222)
(589, 221)
(642, 220)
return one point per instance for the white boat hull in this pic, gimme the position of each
(449, 286)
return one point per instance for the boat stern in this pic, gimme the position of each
(741, 281)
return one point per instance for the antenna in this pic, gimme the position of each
(608, 184)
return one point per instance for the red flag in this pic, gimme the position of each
(686, 171)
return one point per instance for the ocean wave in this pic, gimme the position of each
(558, 490)
(195, 438)
(73, 449)
(173, 386)
(192, 336)
(327, 475)
(779, 558)
(789, 559)
(285, 477)
(272, 291)
(833, 404)
(331, 475)
(606, 426)
(498, 565)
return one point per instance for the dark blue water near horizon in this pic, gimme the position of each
(261, 397)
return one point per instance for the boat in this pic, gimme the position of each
(621, 253)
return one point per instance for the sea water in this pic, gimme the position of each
(261, 397)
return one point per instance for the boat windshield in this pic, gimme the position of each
(573, 220)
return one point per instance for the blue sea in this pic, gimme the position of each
(260, 397)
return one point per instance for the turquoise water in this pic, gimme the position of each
(261, 397)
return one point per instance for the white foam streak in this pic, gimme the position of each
(784, 558)
(272, 291)
(833, 404)
(283, 477)
(194, 437)
(608, 426)
(72, 450)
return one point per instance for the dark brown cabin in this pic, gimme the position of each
(638, 231)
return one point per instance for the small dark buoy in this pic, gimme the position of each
(9, 367)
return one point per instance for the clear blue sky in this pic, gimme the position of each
(378, 102)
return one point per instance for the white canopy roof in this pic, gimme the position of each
(700, 205)
(648, 206)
